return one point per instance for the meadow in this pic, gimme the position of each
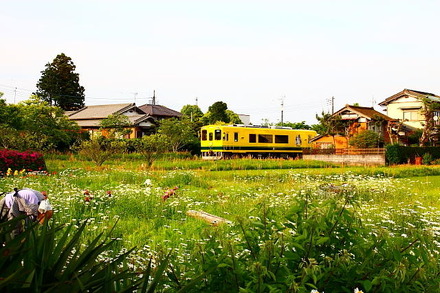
(294, 226)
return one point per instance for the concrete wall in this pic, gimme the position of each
(349, 160)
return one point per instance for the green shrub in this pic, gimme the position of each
(366, 139)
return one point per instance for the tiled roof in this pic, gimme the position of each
(100, 111)
(367, 112)
(159, 111)
(411, 93)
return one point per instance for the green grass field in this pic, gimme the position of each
(296, 226)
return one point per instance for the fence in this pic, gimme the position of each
(363, 157)
(369, 151)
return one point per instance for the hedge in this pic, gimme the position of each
(397, 154)
(30, 161)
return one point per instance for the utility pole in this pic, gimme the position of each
(15, 94)
(135, 95)
(282, 110)
(331, 101)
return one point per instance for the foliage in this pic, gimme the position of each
(295, 125)
(430, 130)
(15, 160)
(216, 112)
(397, 154)
(50, 258)
(116, 125)
(427, 159)
(179, 132)
(99, 149)
(233, 117)
(34, 124)
(329, 229)
(152, 147)
(59, 84)
(192, 112)
(366, 139)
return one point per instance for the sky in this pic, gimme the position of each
(262, 58)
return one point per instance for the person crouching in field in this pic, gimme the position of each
(23, 202)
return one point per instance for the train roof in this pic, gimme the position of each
(259, 126)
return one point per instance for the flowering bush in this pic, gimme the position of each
(15, 160)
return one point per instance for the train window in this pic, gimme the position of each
(265, 138)
(210, 136)
(226, 136)
(281, 139)
(204, 134)
(235, 136)
(218, 134)
(252, 138)
(298, 139)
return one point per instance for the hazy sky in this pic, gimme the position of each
(248, 54)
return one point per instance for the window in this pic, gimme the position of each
(226, 136)
(235, 136)
(265, 138)
(218, 134)
(298, 140)
(281, 139)
(204, 134)
(410, 115)
(252, 138)
(211, 136)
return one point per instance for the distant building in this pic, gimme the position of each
(89, 118)
(143, 120)
(159, 112)
(245, 119)
(408, 107)
(358, 119)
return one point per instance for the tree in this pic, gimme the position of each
(366, 139)
(152, 147)
(116, 125)
(192, 112)
(178, 132)
(34, 124)
(217, 112)
(59, 84)
(99, 149)
(233, 117)
(295, 125)
(430, 129)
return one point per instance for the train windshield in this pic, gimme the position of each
(204, 134)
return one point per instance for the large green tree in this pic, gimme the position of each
(217, 113)
(192, 112)
(178, 133)
(59, 84)
(34, 124)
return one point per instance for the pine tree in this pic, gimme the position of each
(59, 84)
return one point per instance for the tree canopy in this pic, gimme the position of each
(192, 112)
(34, 124)
(59, 84)
(178, 133)
(217, 112)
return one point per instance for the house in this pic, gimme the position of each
(89, 118)
(159, 112)
(408, 107)
(352, 120)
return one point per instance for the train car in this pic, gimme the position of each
(225, 141)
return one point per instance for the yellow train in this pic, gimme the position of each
(224, 141)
